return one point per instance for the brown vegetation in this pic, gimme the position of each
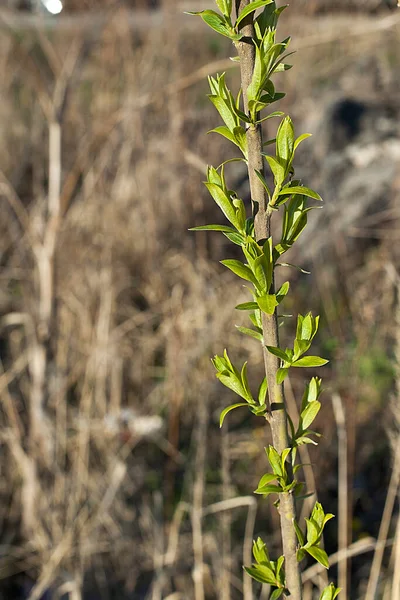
(113, 481)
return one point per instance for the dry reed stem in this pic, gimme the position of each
(343, 507)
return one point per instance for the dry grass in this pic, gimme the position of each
(110, 309)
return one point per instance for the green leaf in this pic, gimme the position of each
(282, 292)
(265, 185)
(223, 202)
(281, 375)
(319, 555)
(279, 353)
(260, 551)
(265, 479)
(299, 533)
(216, 22)
(300, 554)
(277, 169)
(294, 267)
(226, 112)
(247, 306)
(225, 132)
(235, 238)
(228, 409)
(309, 413)
(268, 489)
(261, 573)
(267, 303)
(285, 141)
(313, 533)
(250, 8)
(301, 138)
(250, 332)
(276, 594)
(299, 189)
(245, 382)
(276, 113)
(310, 361)
(330, 592)
(223, 228)
(262, 392)
(274, 460)
(239, 269)
(229, 381)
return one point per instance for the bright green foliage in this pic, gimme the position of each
(307, 327)
(256, 266)
(267, 571)
(330, 592)
(311, 541)
(237, 381)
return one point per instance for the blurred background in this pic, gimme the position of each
(116, 482)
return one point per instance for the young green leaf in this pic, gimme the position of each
(319, 555)
(299, 190)
(247, 306)
(223, 228)
(262, 391)
(267, 303)
(330, 592)
(228, 409)
(281, 375)
(250, 332)
(277, 593)
(310, 361)
(251, 8)
(239, 269)
(309, 414)
(279, 353)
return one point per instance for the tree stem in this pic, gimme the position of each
(262, 224)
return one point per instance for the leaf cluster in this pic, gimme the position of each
(237, 381)
(310, 542)
(267, 571)
(306, 329)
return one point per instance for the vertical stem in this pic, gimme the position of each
(343, 507)
(262, 225)
(198, 496)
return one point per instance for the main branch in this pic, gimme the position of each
(262, 224)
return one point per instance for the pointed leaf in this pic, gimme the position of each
(301, 138)
(250, 8)
(281, 375)
(279, 353)
(310, 361)
(223, 202)
(268, 489)
(250, 332)
(247, 306)
(239, 269)
(261, 573)
(223, 228)
(298, 189)
(228, 409)
(267, 303)
(319, 555)
(262, 392)
(309, 414)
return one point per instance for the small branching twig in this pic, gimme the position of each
(251, 26)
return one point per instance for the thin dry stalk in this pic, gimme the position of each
(226, 519)
(343, 508)
(384, 526)
(198, 499)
